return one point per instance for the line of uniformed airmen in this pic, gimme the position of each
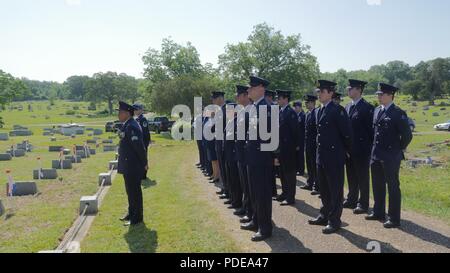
(327, 139)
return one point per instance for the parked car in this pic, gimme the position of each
(443, 126)
(113, 126)
(160, 124)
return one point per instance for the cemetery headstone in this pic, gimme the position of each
(64, 164)
(24, 188)
(46, 174)
(5, 157)
(4, 137)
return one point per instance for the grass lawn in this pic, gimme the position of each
(38, 222)
(176, 221)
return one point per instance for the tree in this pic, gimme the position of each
(181, 91)
(285, 61)
(397, 72)
(128, 87)
(111, 87)
(435, 78)
(172, 61)
(414, 88)
(76, 87)
(102, 88)
(11, 89)
(174, 75)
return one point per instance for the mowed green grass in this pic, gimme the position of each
(177, 219)
(43, 113)
(36, 223)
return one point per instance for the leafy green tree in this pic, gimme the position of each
(111, 87)
(11, 89)
(173, 60)
(76, 87)
(414, 88)
(284, 60)
(102, 88)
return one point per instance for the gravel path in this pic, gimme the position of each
(292, 234)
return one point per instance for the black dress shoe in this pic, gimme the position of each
(240, 212)
(224, 196)
(306, 188)
(220, 192)
(348, 205)
(391, 225)
(228, 202)
(286, 203)
(233, 207)
(280, 199)
(126, 218)
(258, 237)
(374, 217)
(360, 210)
(245, 220)
(330, 230)
(314, 193)
(249, 227)
(130, 224)
(318, 222)
(216, 181)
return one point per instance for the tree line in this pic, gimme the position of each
(174, 75)
(426, 81)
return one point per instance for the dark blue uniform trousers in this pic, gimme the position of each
(260, 183)
(312, 169)
(222, 166)
(246, 200)
(134, 192)
(358, 176)
(331, 180)
(234, 184)
(387, 173)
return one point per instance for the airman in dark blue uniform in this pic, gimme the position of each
(392, 137)
(143, 122)
(337, 98)
(333, 143)
(198, 123)
(242, 120)
(231, 163)
(218, 98)
(311, 144)
(301, 123)
(271, 99)
(358, 175)
(259, 165)
(132, 163)
(209, 151)
(288, 147)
